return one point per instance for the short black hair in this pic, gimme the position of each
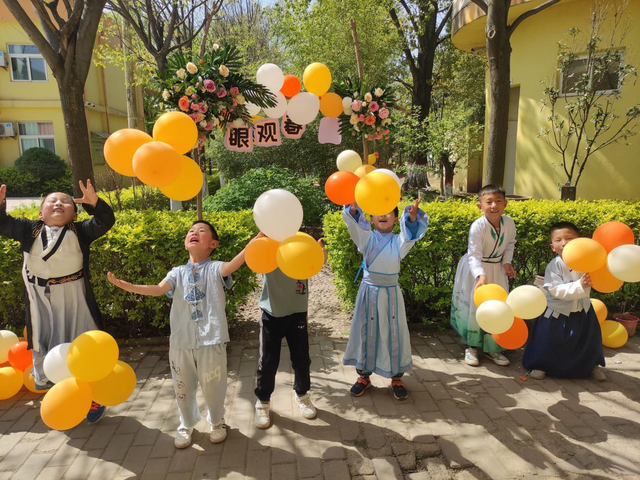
(561, 225)
(214, 233)
(491, 188)
(75, 205)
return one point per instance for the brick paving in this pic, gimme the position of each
(459, 422)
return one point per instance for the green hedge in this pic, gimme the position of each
(142, 247)
(427, 273)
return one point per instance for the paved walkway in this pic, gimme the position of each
(459, 422)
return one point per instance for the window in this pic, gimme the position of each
(606, 77)
(97, 147)
(27, 65)
(36, 134)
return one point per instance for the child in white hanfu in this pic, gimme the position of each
(492, 238)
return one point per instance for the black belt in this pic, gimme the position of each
(492, 260)
(43, 282)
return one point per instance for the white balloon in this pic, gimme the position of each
(271, 76)
(280, 109)
(278, 214)
(494, 316)
(303, 108)
(55, 363)
(624, 263)
(252, 108)
(391, 174)
(527, 302)
(7, 340)
(349, 161)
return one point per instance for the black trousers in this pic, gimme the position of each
(364, 374)
(272, 331)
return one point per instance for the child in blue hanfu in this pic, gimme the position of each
(379, 339)
(566, 340)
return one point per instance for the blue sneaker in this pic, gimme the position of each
(399, 390)
(360, 386)
(96, 412)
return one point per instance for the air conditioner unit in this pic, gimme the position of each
(3, 61)
(6, 129)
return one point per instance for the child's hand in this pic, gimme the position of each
(324, 250)
(3, 193)
(354, 208)
(119, 283)
(585, 280)
(259, 235)
(509, 271)
(89, 195)
(482, 280)
(413, 211)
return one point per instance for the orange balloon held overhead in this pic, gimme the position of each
(362, 170)
(176, 129)
(604, 282)
(331, 105)
(20, 356)
(261, 255)
(584, 255)
(341, 187)
(157, 164)
(291, 86)
(515, 337)
(188, 183)
(613, 234)
(377, 193)
(300, 257)
(120, 148)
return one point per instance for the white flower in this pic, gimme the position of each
(368, 97)
(347, 110)
(224, 71)
(203, 123)
(191, 68)
(364, 104)
(238, 122)
(215, 47)
(378, 92)
(355, 127)
(346, 102)
(354, 119)
(181, 73)
(166, 95)
(240, 99)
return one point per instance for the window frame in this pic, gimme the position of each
(35, 137)
(28, 56)
(598, 92)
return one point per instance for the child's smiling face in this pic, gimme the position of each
(57, 209)
(199, 240)
(384, 223)
(492, 205)
(560, 238)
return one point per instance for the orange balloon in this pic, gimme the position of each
(66, 404)
(331, 105)
(291, 86)
(341, 187)
(362, 170)
(188, 183)
(600, 309)
(613, 234)
(261, 255)
(515, 337)
(300, 257)
(30, 383)
(604, 282)
(176, 129)
(20, 356)
(157, 164)
(120, 148)
(377, 193)
(584, 255)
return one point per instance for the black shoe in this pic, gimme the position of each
(96, 412)
(360, 386)
(399, 390)
(46, 386)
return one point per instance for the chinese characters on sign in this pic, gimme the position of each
(239, 139)
(292, 130)
(266, 133)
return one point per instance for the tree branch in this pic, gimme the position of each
(444, 21)
(407, 85)
(410, 16)
(406, 49)
(528, 14)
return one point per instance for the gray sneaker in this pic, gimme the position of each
(498, 359)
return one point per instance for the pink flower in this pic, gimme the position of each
(386, 132)
(378, 136)
(183, 103)
(203, 108)
(383, 113)
(209, 127)
(361, 118)
(384, 104)
(373, 106)
(195, 106)
(176, 87)
(356, 105)
(370, 120)
(221, 92)
(234, 91)
(194, 117)
(234, 102)
(194, 96)
(209, 86)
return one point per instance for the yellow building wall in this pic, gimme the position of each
(612, 173)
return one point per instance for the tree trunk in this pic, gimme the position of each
(499, 58)
(449, 170)
(76, 129)
(133, 119)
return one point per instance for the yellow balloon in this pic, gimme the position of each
(331, 105)
(362, 170)
(372, 158)
(377, 193)
(614, 335)
(600, 309)
(176, 129)
(188, 183)
(157, 164)
(489, 292)
(30, 383)
(317, 79)
(300, 256)
(120, 148)
(116, 387)
(66, 404)
(10, 382)
(260, 255)
(92, 356)
(584, 255)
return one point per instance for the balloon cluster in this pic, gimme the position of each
(375, 190)
(614, 335)
(502, 314)
(159, 161)
(303, 107)
(15, 365)
(278, 214)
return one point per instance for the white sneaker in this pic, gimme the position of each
(183, 438)
(498, 359)
(262, 419)
(218, 433)
(306, 407)
(598, 374)
(537, 374)
(471, 356)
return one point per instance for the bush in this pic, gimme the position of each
(142, 247)
(428, 272)
(43, 164)
(241, 193)
(19, 184)
(145, 197)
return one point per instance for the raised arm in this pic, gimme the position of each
(358, 226)
(102, 215)
(151, 290)
(13, 228)
(228, 268)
